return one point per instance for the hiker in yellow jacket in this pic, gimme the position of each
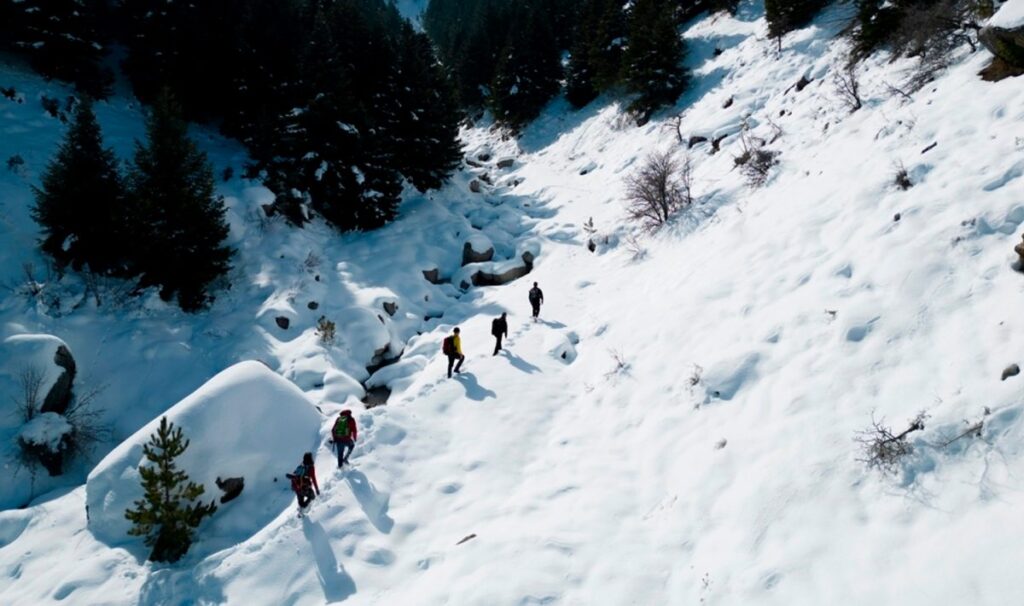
(452, 347)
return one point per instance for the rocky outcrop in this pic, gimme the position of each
(503, 274)
(478, 249)
(432, 275)
(1005, 43)
(47, 438)
(231, 487)
(390, 307)
(58, 399)
(282, 322)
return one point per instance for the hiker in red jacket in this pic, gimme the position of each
(304, 482)
(344, 435)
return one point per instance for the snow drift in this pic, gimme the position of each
(245, 422)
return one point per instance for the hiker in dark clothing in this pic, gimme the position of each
(536, 298)
(304, 482)
(452, 347)
(499, 328)
(344, 435)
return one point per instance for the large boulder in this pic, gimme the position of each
(47, 438)
(477, 249)
(246, 422)
(49, 359)
(1004, 33)
(505, 272)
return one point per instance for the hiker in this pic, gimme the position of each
(452, 347)
(536, 298)
(304, 482)
(499, 328)
(344, 435)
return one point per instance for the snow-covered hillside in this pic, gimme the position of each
(679, 426)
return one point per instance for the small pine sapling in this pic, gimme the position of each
(168, 514)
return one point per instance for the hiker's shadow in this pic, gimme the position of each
(552, 324)
(374, 504)
(336, 583)
(520, 363)
(475, 391)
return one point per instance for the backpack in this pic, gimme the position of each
(534, 295)
(342, 428)
(300, 479)
(448, 346)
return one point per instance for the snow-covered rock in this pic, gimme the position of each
(48, 357)
(46, 430)
(1003, 35)
(477, 249)
(1010, 15)
(245, 422)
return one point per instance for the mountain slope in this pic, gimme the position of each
(695, 443)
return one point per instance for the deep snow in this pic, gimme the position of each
(1009, 15)
(679, 426)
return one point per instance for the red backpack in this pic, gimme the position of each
(448, 346)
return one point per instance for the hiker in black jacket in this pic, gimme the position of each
(536, 298)
(499, 328)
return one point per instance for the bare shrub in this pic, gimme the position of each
(591, 231)
(932, 31)
(620, 365)
(86, 419)
(847, 86)
(29, 398)
(637, 250)
(311, 262)
(696, 376)
(973, 430)
(902, 178)
(755, 160)
(884, 450)
(83, 416)
(659, 188)
(325, 331)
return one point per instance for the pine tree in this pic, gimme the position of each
(168, 513)
(595, 60)
(81, 205)
(420, 118)
(180, 221)
(528, 70)
(653, 71)
(63, 39)
(784, 16)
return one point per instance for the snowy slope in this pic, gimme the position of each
(695, 442)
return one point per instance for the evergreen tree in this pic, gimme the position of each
(180, 221)
(420, 121)
(168, 513)
(595, 61)
(63, 39)
(469, 35)
(654, 74)
(190, 47)
(787, 15)
(81, 205)
(528, 70)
